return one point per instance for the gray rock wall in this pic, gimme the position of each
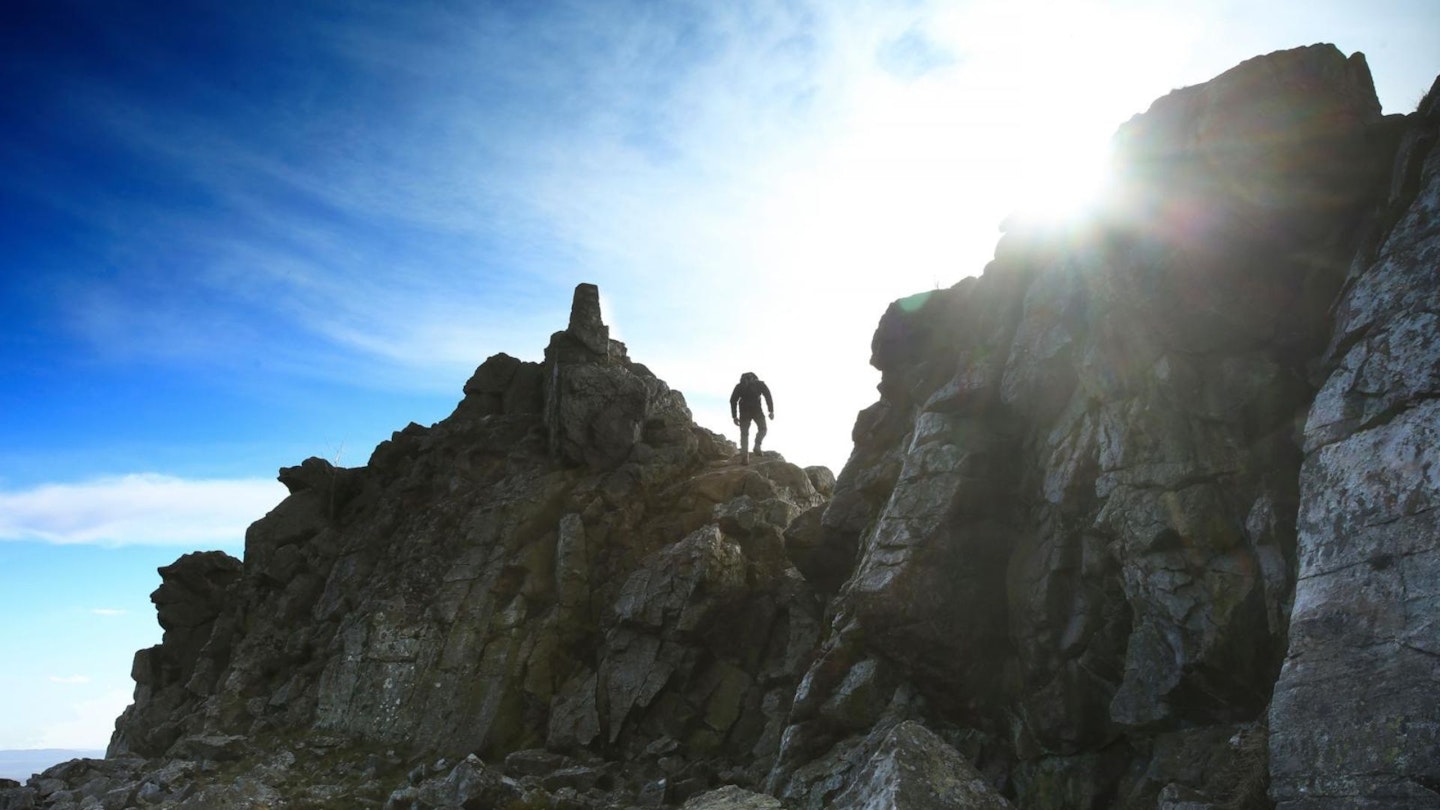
(1074, 506)
(1355, 721)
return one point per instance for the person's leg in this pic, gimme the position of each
(760, 429)
(744, 437)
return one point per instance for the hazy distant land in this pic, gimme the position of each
(24, 763)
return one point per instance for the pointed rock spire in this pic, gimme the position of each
(586, 325)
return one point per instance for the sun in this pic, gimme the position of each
(1066, 185)
(910, 180)
(911, 192)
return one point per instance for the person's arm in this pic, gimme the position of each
(769, 403)
(734, 403)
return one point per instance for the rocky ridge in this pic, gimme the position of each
(1142, 518)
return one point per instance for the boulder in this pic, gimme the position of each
(896, 764)
(731, 797)
(914, 769)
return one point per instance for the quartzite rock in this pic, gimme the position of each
(914, 769)
(732, 798)
(1074, 505)
(1355, 721)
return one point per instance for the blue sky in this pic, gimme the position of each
(239, 234)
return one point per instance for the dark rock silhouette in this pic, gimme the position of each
(1144, 517)
(1075, 504)
(567, 562)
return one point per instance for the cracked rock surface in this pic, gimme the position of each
(1355, 721)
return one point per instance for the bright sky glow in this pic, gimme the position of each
(238, 235)
(146, 509)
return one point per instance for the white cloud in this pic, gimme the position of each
(89, 725)
(109, 611)
(138, 509)
(75, 679)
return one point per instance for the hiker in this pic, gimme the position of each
(746, 396)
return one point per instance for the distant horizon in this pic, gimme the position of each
(239, 237)
(14, 760)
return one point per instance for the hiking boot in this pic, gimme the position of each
(744, 458)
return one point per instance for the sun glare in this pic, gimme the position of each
(911, 194)
(1066, 186)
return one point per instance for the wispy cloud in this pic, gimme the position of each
(750, 182)
(517, 156)
(414, 189)
(108, 611)
(140, 509)
(71, 679)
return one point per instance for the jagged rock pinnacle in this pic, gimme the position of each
(586, 325)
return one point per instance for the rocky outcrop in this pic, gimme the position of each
(1355, 722)
(566, 562)
(601, 409)
(188, 603)
(1074, 505)
(1143, 517)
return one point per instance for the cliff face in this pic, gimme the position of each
(1144, 517)
(1100, 505)
(1355, 719)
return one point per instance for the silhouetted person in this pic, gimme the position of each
(746, 396)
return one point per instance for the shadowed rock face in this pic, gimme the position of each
(1075, 503)
(191, 598)
(1354, 718)
(567, 561)
(1143, 517)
